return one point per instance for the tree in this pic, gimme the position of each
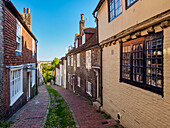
(47, 70)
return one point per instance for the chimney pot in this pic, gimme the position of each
(24, 10)
(82, 16)
(28, 10)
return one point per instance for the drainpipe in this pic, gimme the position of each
(36, 72)
(101, 70)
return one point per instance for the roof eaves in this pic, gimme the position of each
(98, 6)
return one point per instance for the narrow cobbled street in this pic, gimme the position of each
(33, 113)
(85, 113)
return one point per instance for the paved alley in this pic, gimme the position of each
(32, 114)
(85, 113)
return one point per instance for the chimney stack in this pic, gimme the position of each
(75, 44)
(27, 17)
(25, 10)
(28, 10)
(70, 48)
(82, 23)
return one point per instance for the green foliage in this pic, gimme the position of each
(47, 70)
(55, 61)
(59, 115)
(5, 124)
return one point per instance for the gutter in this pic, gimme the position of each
(101, 70)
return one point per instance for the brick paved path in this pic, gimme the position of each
(85, 113)
(32, 114)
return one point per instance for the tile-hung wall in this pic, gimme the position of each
(1, 54)
(16, 58)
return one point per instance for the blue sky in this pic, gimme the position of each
(55, 22)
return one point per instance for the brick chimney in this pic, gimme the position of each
(74, 44)
(82, 23)
(27, 17)
(70, 48)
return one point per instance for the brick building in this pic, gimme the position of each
(18, 59)
(135, 40)
(83, 64)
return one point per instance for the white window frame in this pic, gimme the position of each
(88, 59)
(72, 59)
(18, 94)
(77, 44)
(83, 38)
(71, 80)
(68, 78)
(33, 78)
(89, 88)
(78, 60)
(78, 82)
(68, 60)
(19, 36)
(33, 48)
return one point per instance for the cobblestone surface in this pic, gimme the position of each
(85, 113)
(32, 114)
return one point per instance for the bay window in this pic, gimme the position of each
(142, 62)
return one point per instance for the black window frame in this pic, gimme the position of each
(143, 85)
(128, 6)
(109, 10)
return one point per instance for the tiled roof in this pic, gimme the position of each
(90, 43)
(98, 6)
(89, 30)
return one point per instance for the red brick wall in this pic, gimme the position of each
(88, 36)
(10, 43)
(11, 59)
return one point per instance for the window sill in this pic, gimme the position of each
(110, 20)
(150, 88)
(16, 98)
(19, 53)
(89, 93)
(33, 85)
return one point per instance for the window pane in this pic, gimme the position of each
(15, 86)
(138, 62)
(155, 67)
(115, 8)
(129, 2)
(126, 61)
